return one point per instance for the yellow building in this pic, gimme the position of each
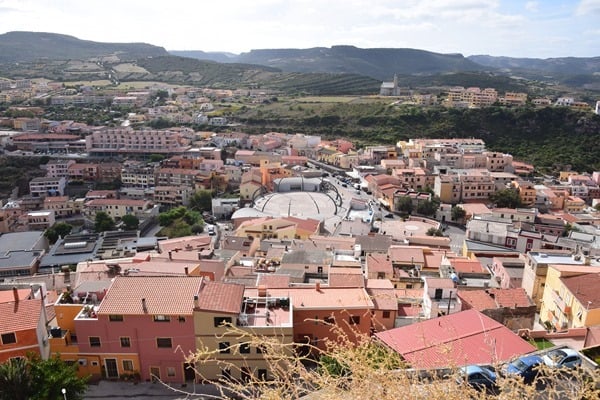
(279, 228)
(233, 331)
(571, 298)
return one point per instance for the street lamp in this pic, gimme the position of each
(64, 392)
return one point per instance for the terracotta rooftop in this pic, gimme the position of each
(221, 297)
(584, 288)
(20, 316)
(167, 295)
(379, 263)
(465, 266)
(466, 337)
(406, 254)
(7, 296)
(384, 299)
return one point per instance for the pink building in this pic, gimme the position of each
(145, 322)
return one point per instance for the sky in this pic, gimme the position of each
(541, 29)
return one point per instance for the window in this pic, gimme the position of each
(9, 338)
(115, 318)
(262, 374)
(329, 320)
(220, 321)
(127, 365)
(125, 342)
(95, 341)
(181, 318)
(224, 348)
(164, 342)
(170, 371)
(261, 349)
(354, 320)
(245, 348)
(386, 314)
(161, 318)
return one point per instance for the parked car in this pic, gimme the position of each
(527, 367)
(479, 377)
(562, 358)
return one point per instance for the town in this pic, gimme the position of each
(135, 247)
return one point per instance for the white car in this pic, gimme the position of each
(562, 358)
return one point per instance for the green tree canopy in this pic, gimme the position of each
(201, 201)
(428, 207)
(32, 378)
(130, 222)
(457, 213)
(508, 198)
(103, 222)
(59, 229)
(405, 205)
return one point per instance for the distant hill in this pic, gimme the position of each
(380, 64)
(33, 46)
(210, 73)
(561, 65)
(221, 57)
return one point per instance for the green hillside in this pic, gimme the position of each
(32, 46)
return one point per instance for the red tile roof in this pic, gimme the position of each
(464, 266)
(165, 295)
(584, 288)
(221, 297)
(377, 262)
(467, 337)
(384, 299)
(20, 316)
(7, 296)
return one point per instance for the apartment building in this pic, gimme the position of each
(177, 177)
(57, 168)
(172, 196)
(107, 141)
(23, 328)
(143, 325)
(138, 176)
(40, 220)
(83, 172)
(47, 186)
(227, 317)
(117, 208)
(570, 297)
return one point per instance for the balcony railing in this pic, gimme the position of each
(560, 303)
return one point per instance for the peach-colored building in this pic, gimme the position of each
(107, 141)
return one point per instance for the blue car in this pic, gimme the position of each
(527, 367)
(479, 377)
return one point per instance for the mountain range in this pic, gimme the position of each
(376, 64)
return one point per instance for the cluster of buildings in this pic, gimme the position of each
(475, 97)
(120, 305)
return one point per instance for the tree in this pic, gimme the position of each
(201, 201)
(427, 207)
(59, 229)
(434, 232)
(130, 222)
(508, 198)
(404, 205)
(32, 378)
(103, 222)
(457, 213)
(15, 380)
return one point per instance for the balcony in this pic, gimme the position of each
(560, 303)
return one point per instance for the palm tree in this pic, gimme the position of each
(15, 379)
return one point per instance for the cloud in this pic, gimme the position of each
(532, 6)
(586, 7)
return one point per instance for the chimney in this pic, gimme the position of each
(187, 271)
(16, 294)
(262, 291)
(196, 301)
(144, 306)
(170, 255)
(318, 286)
